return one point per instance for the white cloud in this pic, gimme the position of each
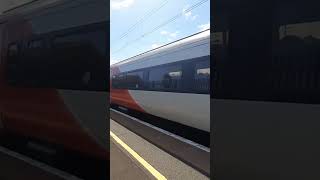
(194, 17)
(188, 14)
(164, 32)
(120, 4)
(185, 9)
(203, 27)
(173, 34)
(169, 35)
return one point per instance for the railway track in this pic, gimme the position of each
(192, 134)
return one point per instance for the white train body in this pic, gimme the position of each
(183, 97)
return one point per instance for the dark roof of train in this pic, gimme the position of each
(19, 9)
(19, 6)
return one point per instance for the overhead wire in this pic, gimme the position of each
(142, 19)
(162, 24)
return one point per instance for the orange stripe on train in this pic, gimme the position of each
(122, 97)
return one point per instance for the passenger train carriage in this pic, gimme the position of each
(171, 82)
(53, 83)
(266, 100)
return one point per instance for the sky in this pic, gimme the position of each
(131, 19)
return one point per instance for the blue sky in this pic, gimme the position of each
(126, 13)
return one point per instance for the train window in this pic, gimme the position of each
(74, 60)
(119, 81)
(202, 70)
(165, 78)
(35, 44)
(114, 82)
(84, 53)
(202, 76)
(30, 67)
(203, 73)
(134, 80)
(275, 57)
(95, 39)
(12, 50)
(13, 68)
(175, 74)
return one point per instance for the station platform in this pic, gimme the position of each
(124, 167)
(133, 157)
(17, 166)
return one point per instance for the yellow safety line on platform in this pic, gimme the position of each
(144, 163)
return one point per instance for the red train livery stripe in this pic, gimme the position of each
(122, 97)
(41, 113)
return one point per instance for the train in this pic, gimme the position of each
(171, 82)
(53, 79)
(265, 96)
